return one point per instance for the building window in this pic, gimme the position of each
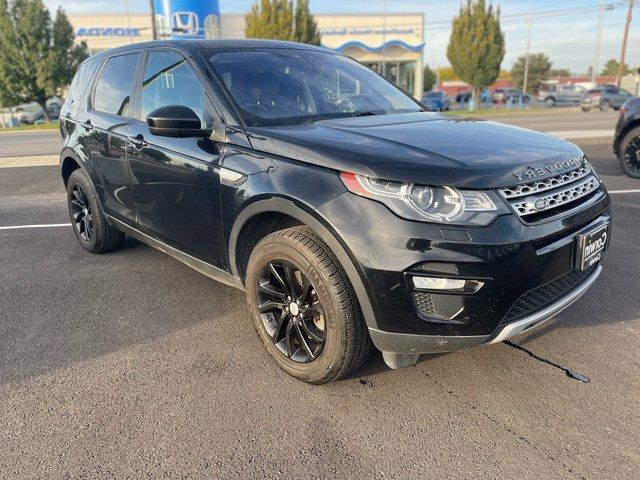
(401, 74)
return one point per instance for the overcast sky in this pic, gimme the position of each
(568, 39)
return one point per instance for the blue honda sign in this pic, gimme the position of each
(187, 18)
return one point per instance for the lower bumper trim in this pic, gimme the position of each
(406, 343)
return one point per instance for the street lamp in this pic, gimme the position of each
(526, 62)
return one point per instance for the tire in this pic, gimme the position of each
(585, 109)
(549, 101)
(89, 224)
(605, 106)
(630, 147)
(344, 342)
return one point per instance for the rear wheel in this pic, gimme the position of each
(304, 307)
(89, 223)
(629, 153)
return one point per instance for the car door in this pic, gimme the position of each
(577, 92)
(176, 180)
(105, 124)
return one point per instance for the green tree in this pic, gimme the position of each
(270, 19)
(428, 78)
(611, 68)
(539, 70)
(559, 72)
(476, 46)
(305, 29)
(38, 57)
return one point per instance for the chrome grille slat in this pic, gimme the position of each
(546, 184)
(538, 200)
(557, 198)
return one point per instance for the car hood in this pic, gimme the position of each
(422, 148)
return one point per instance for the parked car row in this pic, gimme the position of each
(439, 101)
(32, 113)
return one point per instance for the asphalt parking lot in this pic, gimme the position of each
(130, 364)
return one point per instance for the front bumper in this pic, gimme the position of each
(403, 343)
(510, 257)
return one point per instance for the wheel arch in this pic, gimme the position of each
(69, 162)
(623, 133)
(289, 214)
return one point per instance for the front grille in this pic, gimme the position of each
(542, 199)
(545, 295)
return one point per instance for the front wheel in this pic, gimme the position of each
(629, 153)
(89, 223)
(605, 106)
(304, 308)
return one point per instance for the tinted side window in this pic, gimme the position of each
(113, 90)
(169, 80)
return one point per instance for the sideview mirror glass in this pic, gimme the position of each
(175, 121)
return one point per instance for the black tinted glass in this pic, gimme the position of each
(82, 79)
(169, 80)
(113, 90)
(278, 86)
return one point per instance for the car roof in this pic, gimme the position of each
(191, 46)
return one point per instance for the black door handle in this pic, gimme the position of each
(87, 125)
(138, 141)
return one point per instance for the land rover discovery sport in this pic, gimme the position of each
(350, 216)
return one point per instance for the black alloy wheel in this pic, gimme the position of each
(291, 311)
(81, 213)
(89, 224)
(630, 153)
(304, 308)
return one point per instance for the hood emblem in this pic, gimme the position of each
(531, 173)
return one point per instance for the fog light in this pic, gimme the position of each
(450, 284)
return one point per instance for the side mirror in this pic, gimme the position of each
(175, 121)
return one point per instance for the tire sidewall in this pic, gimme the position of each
(78, 177)
(278, 248)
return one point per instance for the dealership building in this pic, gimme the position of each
(393, 44)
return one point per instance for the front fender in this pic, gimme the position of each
(288, 207)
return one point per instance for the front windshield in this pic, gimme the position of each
(287, 87)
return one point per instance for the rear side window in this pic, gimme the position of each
(81, 81)
(114, 87)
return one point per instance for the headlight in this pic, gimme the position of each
(424, 203)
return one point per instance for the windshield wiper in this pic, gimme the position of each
(366, 113)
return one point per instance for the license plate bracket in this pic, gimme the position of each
(590, 245)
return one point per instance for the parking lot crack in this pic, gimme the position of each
(568, 371)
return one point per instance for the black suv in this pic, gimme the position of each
(626, 143)
(351, 217)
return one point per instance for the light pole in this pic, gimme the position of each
(384, 38)
(152, 9)
(526, 62)
(625, 37)
(596, 55)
